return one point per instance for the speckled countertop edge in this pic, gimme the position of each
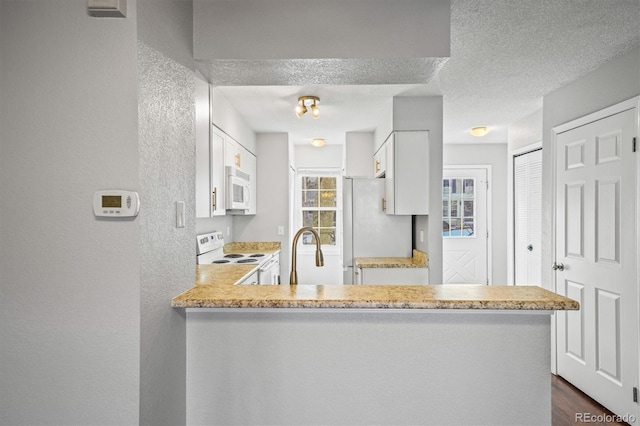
(220, 293)
(252, 247)
(420, 259)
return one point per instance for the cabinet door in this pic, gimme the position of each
(234, 154)
(407, 188)
(379, 162)
(389, 180)
(412, 181)
(218, 189)
(203, 147)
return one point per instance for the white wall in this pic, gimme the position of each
(613, 82)
(273, 197)
(358, 154)
(526, 131)
(494, 155)
(166, 129)
(329, 156)
(70, 283)
(255, 30)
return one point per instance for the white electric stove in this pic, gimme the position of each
(210, 251)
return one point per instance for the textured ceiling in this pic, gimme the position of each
(505, 55)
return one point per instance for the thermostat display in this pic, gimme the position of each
(116, 203)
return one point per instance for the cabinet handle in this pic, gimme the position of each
(377, 166)
(384, 205)
(237, 160)
(214, 199)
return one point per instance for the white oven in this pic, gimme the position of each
(210, 251)
(238, 191)
(269, 272)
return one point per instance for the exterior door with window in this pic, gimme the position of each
(464, 226)
(318, 202)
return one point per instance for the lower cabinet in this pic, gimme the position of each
(392, 276)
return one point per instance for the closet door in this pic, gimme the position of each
(527, 170)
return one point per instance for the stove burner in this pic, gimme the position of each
(257, 255)
(221, 261)
(247, 261)
(233, 256)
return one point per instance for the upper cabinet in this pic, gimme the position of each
(237, 156)
(407, 173)
(380, 162)
(207, 190)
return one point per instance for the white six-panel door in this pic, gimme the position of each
(596, 243)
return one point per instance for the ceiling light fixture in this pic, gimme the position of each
(318, 142)
(479, 131)
(308, 101)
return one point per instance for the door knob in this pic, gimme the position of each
(557, 266)
(530, 247)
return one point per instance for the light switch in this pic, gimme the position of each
(280, 230)
(180, 216)
(421, 236)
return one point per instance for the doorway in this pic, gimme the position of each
(466, 246)
(527, 217)
(596, 255)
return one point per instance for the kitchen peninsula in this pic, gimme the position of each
(370, 354)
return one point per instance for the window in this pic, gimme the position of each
(458, 207)
(319, 207)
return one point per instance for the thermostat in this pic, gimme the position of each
(116, 203)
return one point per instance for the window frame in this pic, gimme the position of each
(298, 209)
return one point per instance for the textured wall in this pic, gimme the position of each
(166, 115)
(614, 82)
(70, 283)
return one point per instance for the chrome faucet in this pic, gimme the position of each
(293, 277)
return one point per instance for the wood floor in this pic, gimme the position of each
(568, 404)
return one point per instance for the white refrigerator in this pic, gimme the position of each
(367, 230)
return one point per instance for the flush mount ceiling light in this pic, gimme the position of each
(479, 131)
(308, 101)
(318, 142)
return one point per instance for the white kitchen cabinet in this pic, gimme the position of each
(238, 156)
(407, 173)
(232, 154)
(209, 157)
(392, 276)
(380, 162)
(218, 188)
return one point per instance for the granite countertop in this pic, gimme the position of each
(214, 289)
(420, 259)
(266, 247)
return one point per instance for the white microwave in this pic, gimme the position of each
(238, 191)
